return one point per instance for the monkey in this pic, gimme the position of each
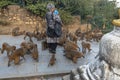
(35, 53)
(20, 52)
(85, 46)
(78, 54)
(28, 45)
(15, 31)
(62, 39)
(80, 34)
(30, 35)
(88, 36)
(37, 33)
(74, 59)
(97, 34)
(20, 33)
(69, 45)
(52, 60)
(73, 37)
(73, 55)
(78, 31)
(8, 48)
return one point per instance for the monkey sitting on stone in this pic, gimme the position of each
(34, 52)
(15, 56)
(21, 33)
(85, 46)
(8, 48)
(15, 31)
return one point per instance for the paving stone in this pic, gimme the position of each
(30, 67)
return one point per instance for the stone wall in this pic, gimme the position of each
(20, 17)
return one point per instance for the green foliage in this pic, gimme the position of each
(66, 17)
(38, 9)
(99, 21)
(4, 3)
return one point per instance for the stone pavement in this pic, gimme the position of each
(29, 67)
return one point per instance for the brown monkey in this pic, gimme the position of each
(52, 60)
(20, 52)
(74, 59)
(88, 36)
(97, 34)
(8, 48)
(27, 45)
(37, 33)
(30, 35)
(35, 53)
(15, 31)
(62, 40)
(80, 34)
(69, 45)
(20, 33)
(77, 32)
(73, 55)
(85, 45)
(73, 37)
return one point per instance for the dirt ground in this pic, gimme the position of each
(19, 17)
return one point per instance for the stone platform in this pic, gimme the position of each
(29, 67)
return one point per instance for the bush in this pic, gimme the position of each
(38, 9)
(5, 3)
(66, 17)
